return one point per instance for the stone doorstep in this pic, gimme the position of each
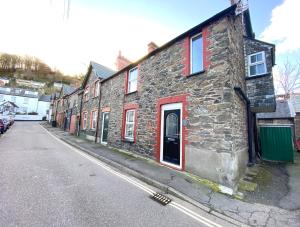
(164, 188)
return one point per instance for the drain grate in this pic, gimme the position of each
(163, 200)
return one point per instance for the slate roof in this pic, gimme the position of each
(67, 89)
(45, 98)
(18, 92)
(9, 102)
(101, 70)
(284, 109)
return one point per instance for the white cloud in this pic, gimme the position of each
(37, 28)
(284, 28)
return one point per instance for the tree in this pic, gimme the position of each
(289, 78)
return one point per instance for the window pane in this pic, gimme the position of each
(133, 74)
(252, 70)
(259, 57)
(253, 58)
(132, 86)
(197, 54)
(260, 68)
(129, 130)
(172, 125)
(130, 116)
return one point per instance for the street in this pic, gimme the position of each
(45, 182)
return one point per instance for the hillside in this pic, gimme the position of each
(16, 67)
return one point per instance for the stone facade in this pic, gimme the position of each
(215, 133)
(89, 105)
(260, 89)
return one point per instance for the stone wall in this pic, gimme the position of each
(260, 89)
(216, 139)
(88, 106)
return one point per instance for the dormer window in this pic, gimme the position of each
(132, 80)
(257, 64)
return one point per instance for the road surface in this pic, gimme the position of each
(45, 182)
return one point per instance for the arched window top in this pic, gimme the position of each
(172, 125)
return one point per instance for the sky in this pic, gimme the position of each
(95, 30)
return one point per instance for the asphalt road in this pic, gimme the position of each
(45, 182)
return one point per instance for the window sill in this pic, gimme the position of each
(131, 92)
(257, 76)
(127, 140)
(197, 73)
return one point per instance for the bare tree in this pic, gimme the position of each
(289, 78)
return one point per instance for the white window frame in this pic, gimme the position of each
(191, 53)
(97, 90)
(94, 118)
(84, 120)
(257, 63)
(127, 123)
(129, 81)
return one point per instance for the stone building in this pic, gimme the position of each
(89, 97)
(60, 106)
(191, 103)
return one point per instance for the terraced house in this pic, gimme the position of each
(190, 104)
(90, 100)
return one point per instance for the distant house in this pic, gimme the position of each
(8, 108)
(30, 83)
(28, 102)
(60, 105)
(3, 81)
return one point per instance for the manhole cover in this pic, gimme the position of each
(161, 198)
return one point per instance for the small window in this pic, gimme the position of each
(132, 80)
(84, 120)
(129, 125)
(94, 119)
(257, 64)
(86, 94)
(97, 89)
(196, 51)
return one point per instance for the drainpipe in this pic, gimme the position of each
(242, 95)
(98, 115)
(79, 123)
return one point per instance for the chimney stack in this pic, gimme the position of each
(122, 62)
(151, 47)
(232, 2)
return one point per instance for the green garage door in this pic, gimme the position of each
(277, 143)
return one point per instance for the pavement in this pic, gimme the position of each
(191, 189)
(291, 200)
(46, 182)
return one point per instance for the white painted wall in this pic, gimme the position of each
(42, 108)
(30, 104)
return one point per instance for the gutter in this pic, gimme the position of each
(243, 96)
